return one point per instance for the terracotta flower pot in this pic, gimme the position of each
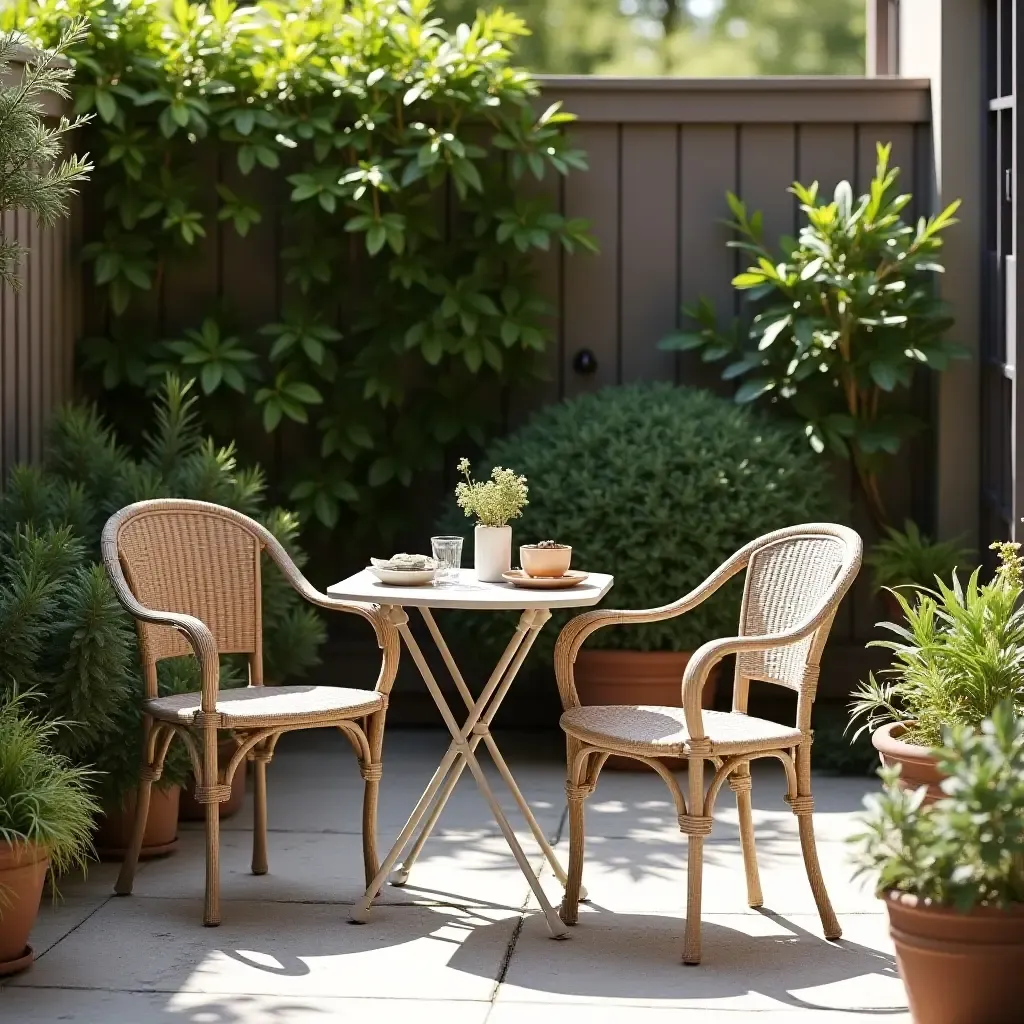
(189, 809)
(546, 562)
(22, 874)
(161, 835)
(958, 968)
(636, 677)
(918, 766)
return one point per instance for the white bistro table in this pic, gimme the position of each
(468, 594)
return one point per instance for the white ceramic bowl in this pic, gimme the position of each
(403, 577)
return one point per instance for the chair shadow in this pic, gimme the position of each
(637, 956)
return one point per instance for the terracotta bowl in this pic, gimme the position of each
(546, 562)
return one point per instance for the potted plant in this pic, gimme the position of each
(658, 485)
(956, 657)
(493, 502)
(951, 874)
(547, 558)
(908, 559)
(46, 816)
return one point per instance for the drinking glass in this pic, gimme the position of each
(448, 552)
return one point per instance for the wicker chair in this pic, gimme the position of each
(795, 581)
(189, 572)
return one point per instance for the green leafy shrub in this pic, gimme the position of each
(658, 485)
(965, 849)
(959, 655)
(44, 798)
(62, 629)
(399, 156)
(845, 314)
(907, 558)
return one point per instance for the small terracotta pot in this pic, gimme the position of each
(958, 968)
(22, 874)
(161, 835)
(551, 563)
(189, 809)
(637, 677)
(918, 765)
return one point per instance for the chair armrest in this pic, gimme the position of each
(576, 631)
(194, 630)
(710, 654)
(387, 635)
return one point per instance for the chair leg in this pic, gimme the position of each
(259, 809)
(372, 774)
(569, 911)
(126, 876)
(740, 783)
(211, 904)
(695, 826)
(148, 774)
(803, 808)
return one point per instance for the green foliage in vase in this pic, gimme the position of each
(908, 558)
(966, 849)
(44, 797)
(33, 175)
(658, 485)
(843, 317)
(403, 162)
(959, 654)
(62, 630)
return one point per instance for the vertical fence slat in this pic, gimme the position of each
(649, 256)
(707, 171)
(590, 312)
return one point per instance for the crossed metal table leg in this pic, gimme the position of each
(462, 753)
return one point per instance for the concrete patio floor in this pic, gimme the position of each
(463, 943)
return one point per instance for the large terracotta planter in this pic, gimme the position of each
(22, 874)
(918, 766)
(161, 835)
(958, 968)
(189, 809)
(636, 677)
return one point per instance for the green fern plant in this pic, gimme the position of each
(61, 627)
(959, 654)
(908, 558)
(44, 797)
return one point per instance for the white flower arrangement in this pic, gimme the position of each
(494, 502)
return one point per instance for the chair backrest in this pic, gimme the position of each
(194, 558)
(790, 580)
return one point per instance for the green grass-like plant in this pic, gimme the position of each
(658, 485)
(909, 558)
(959, 654)
(967, 848)
(44, 797)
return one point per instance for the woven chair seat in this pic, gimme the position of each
(256, 706)
(661, 731)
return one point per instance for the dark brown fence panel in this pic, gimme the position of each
(38, 326)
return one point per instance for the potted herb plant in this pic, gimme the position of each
(956, 657)
(493, 503)
(951, 874)
(46, 817)
(910, 560)
(658, 485)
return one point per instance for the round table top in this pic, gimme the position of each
(470, 594)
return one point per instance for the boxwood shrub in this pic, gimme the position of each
(658, 485)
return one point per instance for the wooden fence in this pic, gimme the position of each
(662, 154)
(39, 323)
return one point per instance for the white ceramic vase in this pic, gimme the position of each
(492, 552)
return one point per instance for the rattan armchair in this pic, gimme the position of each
(795, 580)
(189, 573)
